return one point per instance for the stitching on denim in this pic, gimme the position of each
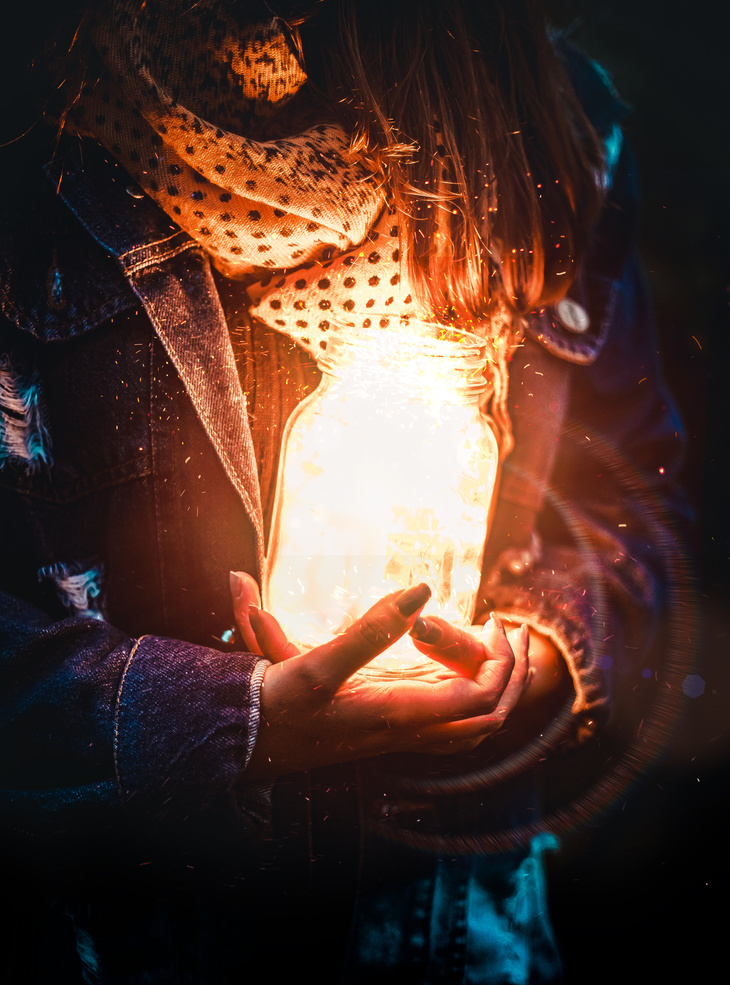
(158, 258)
(153, 243)
(85, 323)
(135, 266)
(23, 434)
(78, 589)
(257, 679)
(93, 483)
(118, 715)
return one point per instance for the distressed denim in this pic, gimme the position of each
(127, 719)
(465, 917)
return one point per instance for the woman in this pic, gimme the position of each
(226, 176)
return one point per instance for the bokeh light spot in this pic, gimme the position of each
(693, 686)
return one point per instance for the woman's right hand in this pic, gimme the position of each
(316, 709)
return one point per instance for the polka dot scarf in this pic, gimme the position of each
(211, 117)
(184, 92)
(364, 286)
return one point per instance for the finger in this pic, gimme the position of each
(485, 725)
(495, 672)
(269, 635)
(520, 642)
(454, 648)
(385, 622)
(495, 637)
(459, 735)
(417, 704)
(464, 698)
(468, 699)
(245, 592)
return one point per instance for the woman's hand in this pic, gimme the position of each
(549, 675)
(316, 708)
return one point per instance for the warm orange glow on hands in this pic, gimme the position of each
(318, 709)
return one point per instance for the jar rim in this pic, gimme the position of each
(433, 339)
(383, 324)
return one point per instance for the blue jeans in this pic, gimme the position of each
(473, 920)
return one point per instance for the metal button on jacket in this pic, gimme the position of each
(573, 316)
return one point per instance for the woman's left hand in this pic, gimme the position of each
(549, 673)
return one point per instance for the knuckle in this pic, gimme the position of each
(490, 704)
(375, 630)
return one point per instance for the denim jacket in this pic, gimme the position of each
(128, 491)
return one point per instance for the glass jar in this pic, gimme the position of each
(386, 479)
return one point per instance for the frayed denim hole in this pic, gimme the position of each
(79, 589)
(23, 434)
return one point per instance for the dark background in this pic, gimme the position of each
(640, 895)
(645, 896)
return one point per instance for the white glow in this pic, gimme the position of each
(386, 480)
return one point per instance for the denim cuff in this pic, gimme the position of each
(559, 601)
(185, 724)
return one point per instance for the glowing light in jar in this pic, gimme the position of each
(386, 480)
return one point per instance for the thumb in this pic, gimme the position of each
(374, 632)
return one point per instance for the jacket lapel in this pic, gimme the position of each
(171, 276)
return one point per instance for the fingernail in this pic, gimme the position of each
(496, 620)
(425, 631)
(236, 583)
(419, 629)
(254, 615)
(413, 599)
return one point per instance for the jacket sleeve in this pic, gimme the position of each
(587, 534)
(104, 736)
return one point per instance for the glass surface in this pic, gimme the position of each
(386, 479)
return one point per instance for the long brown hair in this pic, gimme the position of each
(464, 110)
(472, 92)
